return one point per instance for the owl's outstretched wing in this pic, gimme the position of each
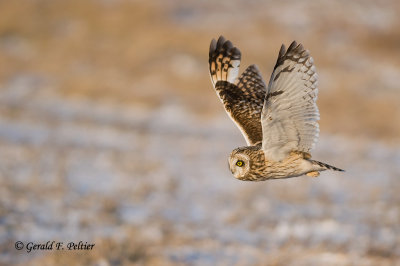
(290, 113)
(242, 97)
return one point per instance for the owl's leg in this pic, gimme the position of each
(313, 174)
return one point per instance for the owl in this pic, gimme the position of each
(278, 121)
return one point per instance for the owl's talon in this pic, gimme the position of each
(313, 174)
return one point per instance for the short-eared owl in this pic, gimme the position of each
(278, 121)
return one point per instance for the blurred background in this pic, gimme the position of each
(111, 133)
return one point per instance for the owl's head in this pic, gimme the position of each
(239, 164)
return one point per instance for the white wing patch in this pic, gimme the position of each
(290, 114)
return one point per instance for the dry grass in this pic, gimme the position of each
(144, 53)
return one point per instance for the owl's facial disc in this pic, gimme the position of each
(239, 164)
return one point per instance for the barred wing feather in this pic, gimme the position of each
(290, 113)
(242, 96)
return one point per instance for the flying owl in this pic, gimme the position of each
(278, 121)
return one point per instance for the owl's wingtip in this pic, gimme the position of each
(213, 46)
(224, 60)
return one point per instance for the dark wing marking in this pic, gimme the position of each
(242, 97)
(290, 114)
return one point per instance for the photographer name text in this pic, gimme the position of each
(53, 245)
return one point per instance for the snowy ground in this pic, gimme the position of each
(163, 174)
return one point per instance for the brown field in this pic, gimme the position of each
(111, 133)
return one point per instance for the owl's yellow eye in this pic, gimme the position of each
(240, 163)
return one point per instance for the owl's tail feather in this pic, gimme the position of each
(224, 61)
(326, 166)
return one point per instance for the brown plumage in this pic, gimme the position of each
(279, 122)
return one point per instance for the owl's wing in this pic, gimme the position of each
(242, 97)
(290, 113)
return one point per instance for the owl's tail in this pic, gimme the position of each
(224, 61)
(325, 166)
